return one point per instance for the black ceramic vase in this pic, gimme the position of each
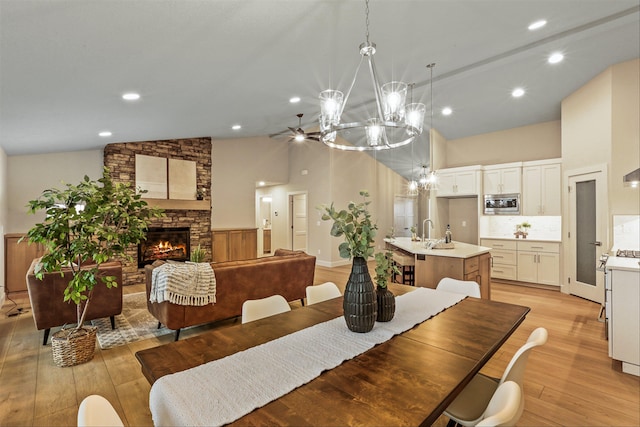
(360, 303)
(386, 304)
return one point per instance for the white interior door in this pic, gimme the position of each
(587, 233)
(404, 215)
(298, 222)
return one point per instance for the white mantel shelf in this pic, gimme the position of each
(185, 205)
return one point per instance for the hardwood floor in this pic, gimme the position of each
(569, 381)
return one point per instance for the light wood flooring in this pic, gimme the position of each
(569, 381)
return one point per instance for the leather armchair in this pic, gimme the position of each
(47, 305)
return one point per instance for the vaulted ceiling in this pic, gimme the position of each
(202, 66)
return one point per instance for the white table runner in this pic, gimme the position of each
(221, 391)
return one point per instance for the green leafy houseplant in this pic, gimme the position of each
(385, 299)
(355, 225)
(197, 254)
(86, 225)
(384, 268)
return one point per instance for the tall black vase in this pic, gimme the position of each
(360, 304)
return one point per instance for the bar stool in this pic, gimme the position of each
(406, 264)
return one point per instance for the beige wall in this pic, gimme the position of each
(328, 175)
(28, 176)
(237, 165)
(586, 124)
(625, 136)
(4, 212)
(600, 125)
(534, 142)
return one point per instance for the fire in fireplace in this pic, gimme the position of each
(164, 244)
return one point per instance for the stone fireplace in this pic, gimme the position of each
(193, 215)
(164, 244)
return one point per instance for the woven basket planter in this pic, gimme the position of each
(72, 347)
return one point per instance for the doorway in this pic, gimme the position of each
(264, 223)
(298, 218)
(404, 215)
(587, 237)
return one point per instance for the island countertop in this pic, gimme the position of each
(460, 250)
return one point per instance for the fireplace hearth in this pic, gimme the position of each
(164, 243)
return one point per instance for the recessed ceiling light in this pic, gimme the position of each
(131, 96)
(261, 183)
(105, 133)
(517, 92)
(446, 111)
(236, 127)
(537, 25)
(294, 99)
(555, 57)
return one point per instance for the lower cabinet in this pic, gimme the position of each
(525, 261)
(235, 244)
(504, 260)
(539, 262)
(430, 269)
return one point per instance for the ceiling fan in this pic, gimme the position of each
(299, 135)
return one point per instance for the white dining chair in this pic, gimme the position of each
(255, 309)
(470, 404)
(322, 292)
(96, 411)
(504, 406)
(465, 287)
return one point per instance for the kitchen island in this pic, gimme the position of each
(464, 262)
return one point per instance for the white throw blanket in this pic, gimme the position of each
(224, 390)
(183, 283)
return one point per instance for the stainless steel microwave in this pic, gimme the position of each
(502, 204)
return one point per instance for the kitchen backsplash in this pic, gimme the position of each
(503, 226)
(626, 232)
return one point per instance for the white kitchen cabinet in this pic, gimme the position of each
(624, 317)
(502, 179)
(541, 184)
(504, 262)
(459, 182)
(539, 262)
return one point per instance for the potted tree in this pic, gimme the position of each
(354, 224)
(385, 299)
(86, 225)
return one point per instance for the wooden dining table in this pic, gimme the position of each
(407, 380)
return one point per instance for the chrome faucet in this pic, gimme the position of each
(428, 230)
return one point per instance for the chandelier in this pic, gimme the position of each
(395, 123)
(427, 179)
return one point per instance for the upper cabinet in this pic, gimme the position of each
(459, 182)
(502, 179)
(541, 184)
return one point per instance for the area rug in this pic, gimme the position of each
(134, 324)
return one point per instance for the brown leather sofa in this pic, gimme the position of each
(287, 273)
(46, 297)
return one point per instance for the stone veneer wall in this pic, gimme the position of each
(120, 159)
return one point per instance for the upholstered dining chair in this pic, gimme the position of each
(255, 309)
(504, 406)
(322, 292)
(468, 407)
(96, 411)
(465, 287)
